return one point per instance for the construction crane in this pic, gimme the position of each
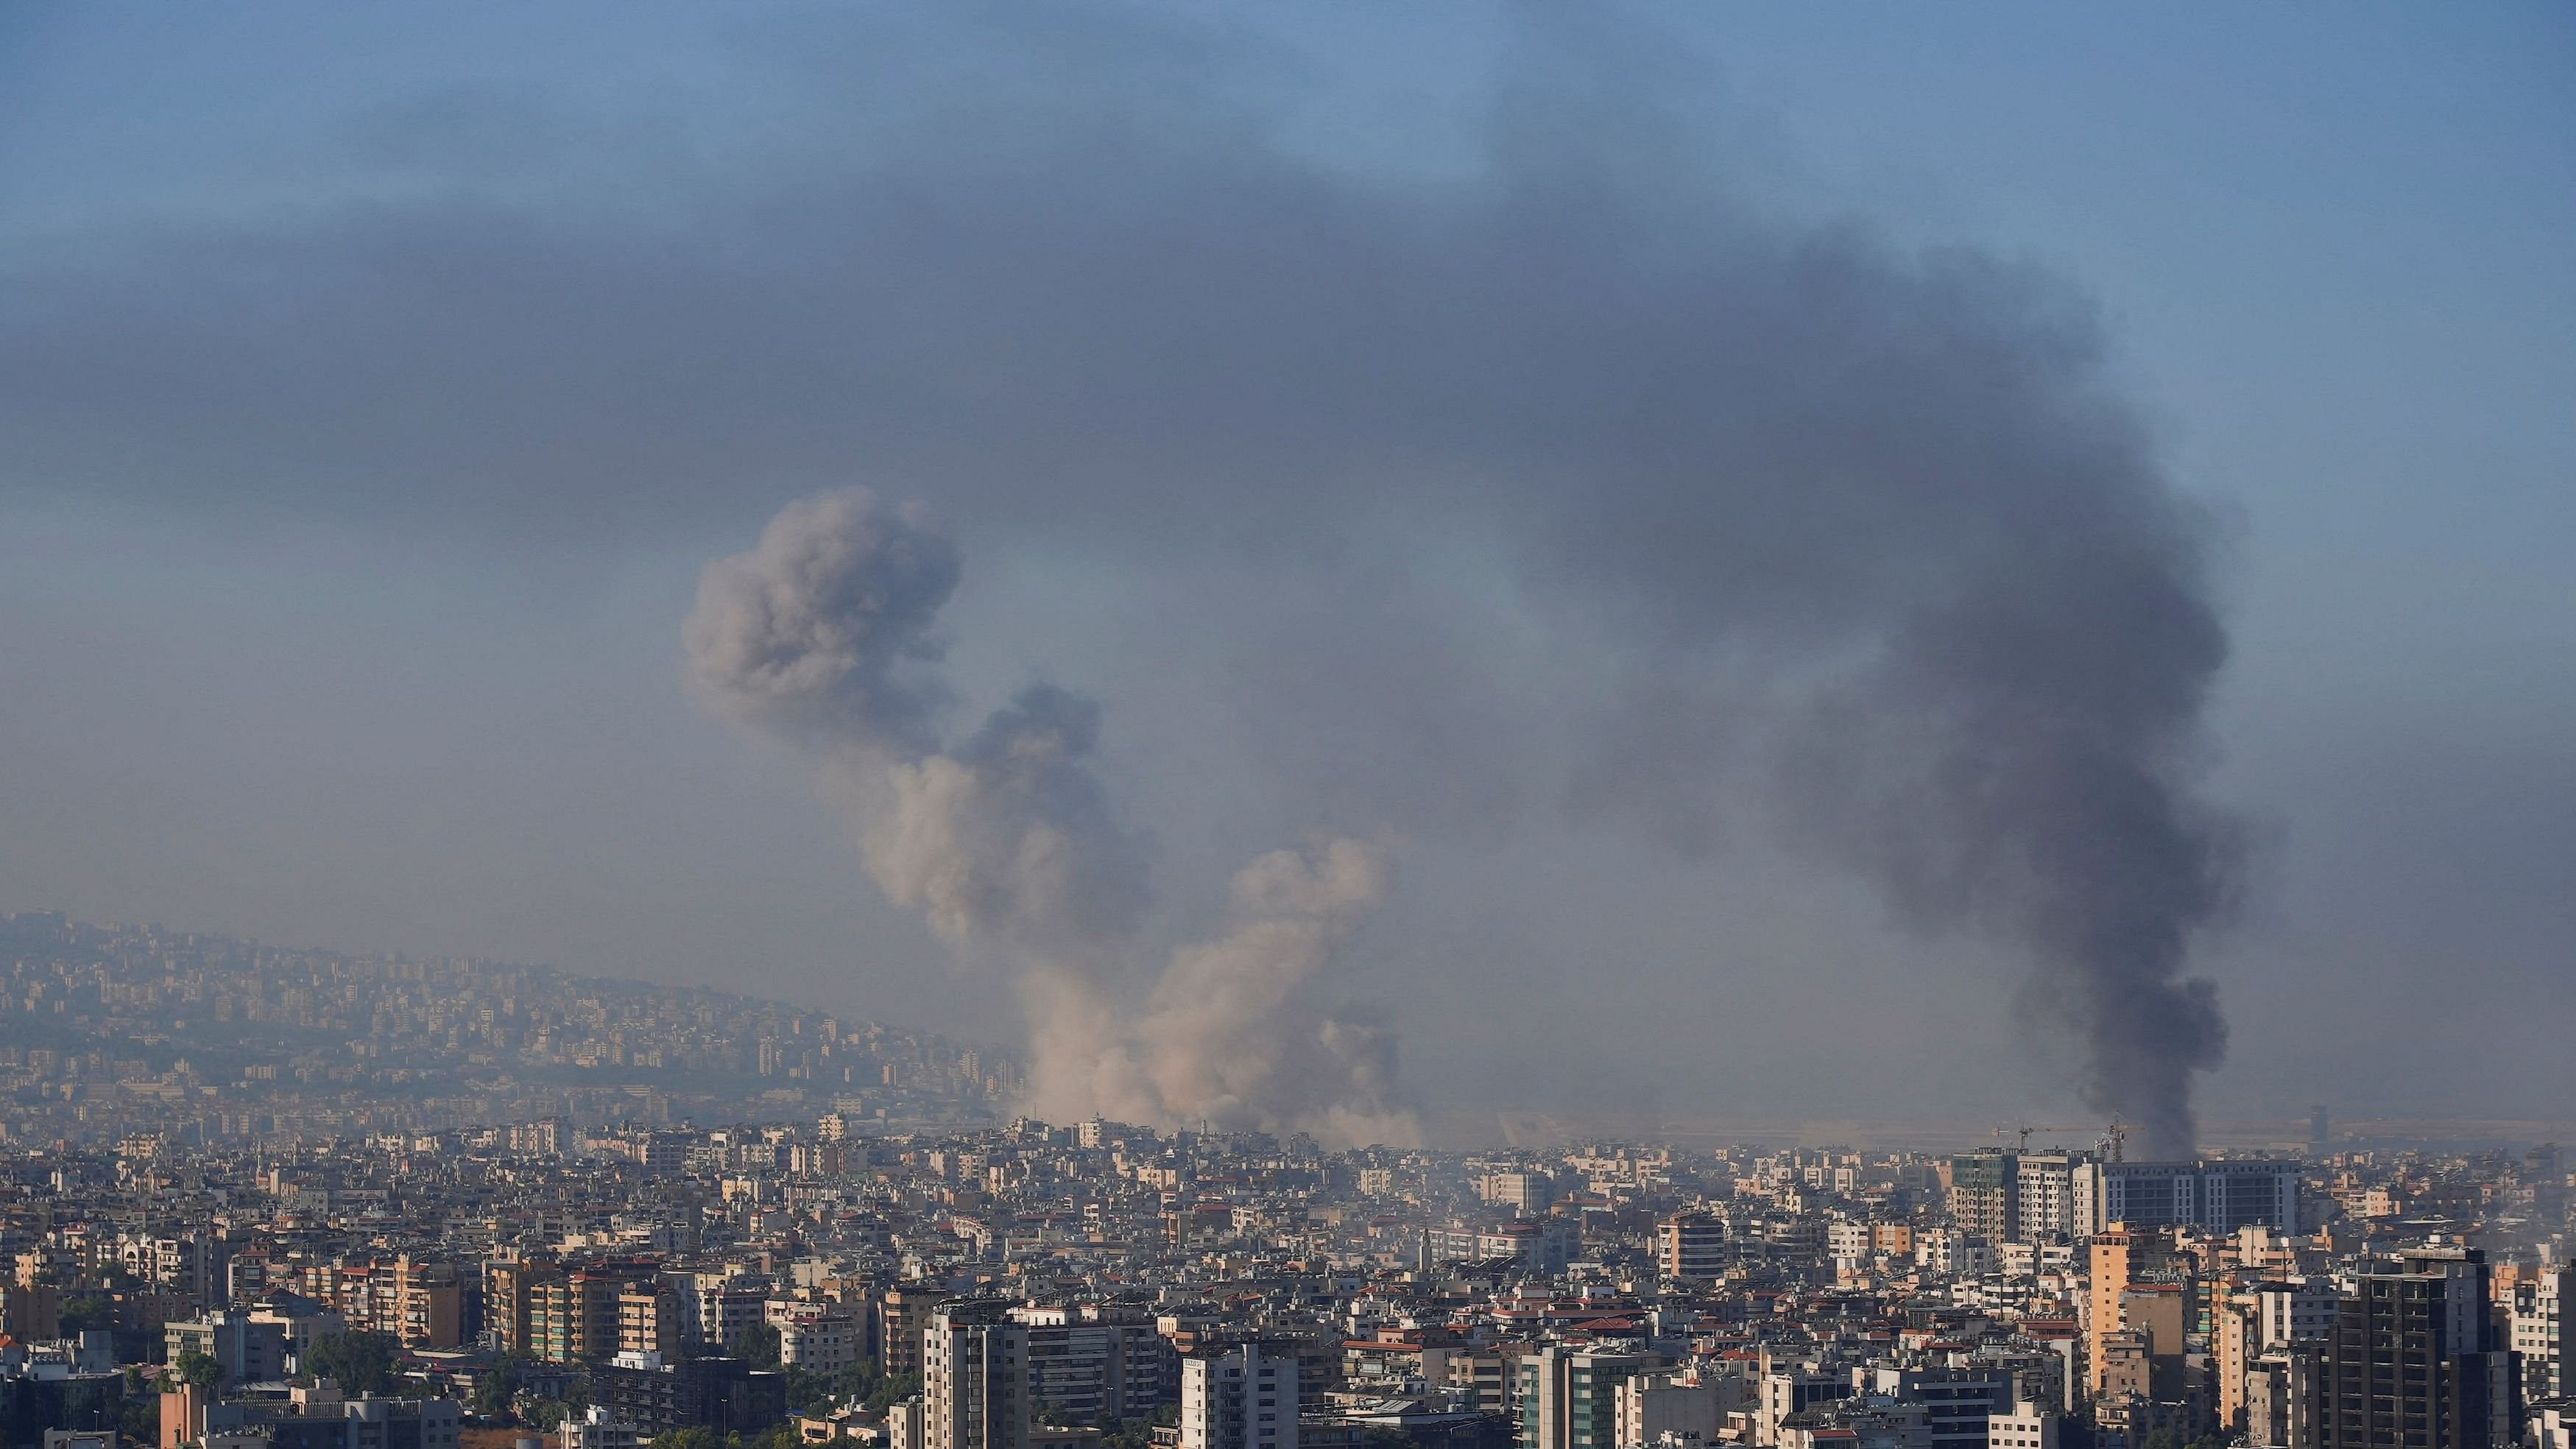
(2025, 1130)
(2111, 1140)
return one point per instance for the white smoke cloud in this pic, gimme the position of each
(821, 630)
(1009, 837)
(821, 637)
(1236, 1033)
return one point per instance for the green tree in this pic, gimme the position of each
(757, 1345)
(141, 1419)
(199, 1370)
(1130, 1434)
(84, 1311)
(694, 1437)
(493, 1391)
(360, 1363)
(893, 1389)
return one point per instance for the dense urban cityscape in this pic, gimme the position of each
(1174, 724)
(513, 1206)
(202, 1039)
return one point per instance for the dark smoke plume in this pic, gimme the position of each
(1862, 533)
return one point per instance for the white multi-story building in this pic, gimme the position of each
(1238, 1398)
(1947, 1250)
(1687, 1408)
(2300, 1312)
(2053, 1195)
(904, 1428)
(2537, 1334)
(245, 1349)
(975, 1378)
(1092, 1371)
(722, 1304)
(1526, 1193)
(2028, 1426)
(597, 1428)
(820, 1339)
(1846, 1241)
(1693, 1245)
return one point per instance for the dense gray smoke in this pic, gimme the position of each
(821, 637)
(1860, 543)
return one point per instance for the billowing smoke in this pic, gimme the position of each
(822, 637)
(1230, 1028)
(1862, 544)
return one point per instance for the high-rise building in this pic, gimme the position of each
(649, 1318)
(1957, 1402)
(975, 1378)
(2052, 1196)
(722, 1394)
(509, 1299)
(1094, 1371)
(1569, 1400)
(2281, 1398)
(1687, 1407)
(31, 1312)
(2025, 1196)
(1526, 1193)
(1238, 1397)
(2107, 1274)
(2538, 1314)
(903, 1316)
(820, 1338)
(2136, 1313)
(2219, 1195)
(1692, 1245)
(2293, 1312)
(244, 1350)
(1985, 1195)
(1789, 1389)
(2414, 1361)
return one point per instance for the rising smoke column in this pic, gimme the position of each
(822, 637)
(1867, 533)
(2017, 757)
(1233, 1035)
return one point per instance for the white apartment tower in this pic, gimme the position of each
(975, 1379)
(2538, 1328)
(1238, 1399)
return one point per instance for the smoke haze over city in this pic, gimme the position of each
(1337, 573)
